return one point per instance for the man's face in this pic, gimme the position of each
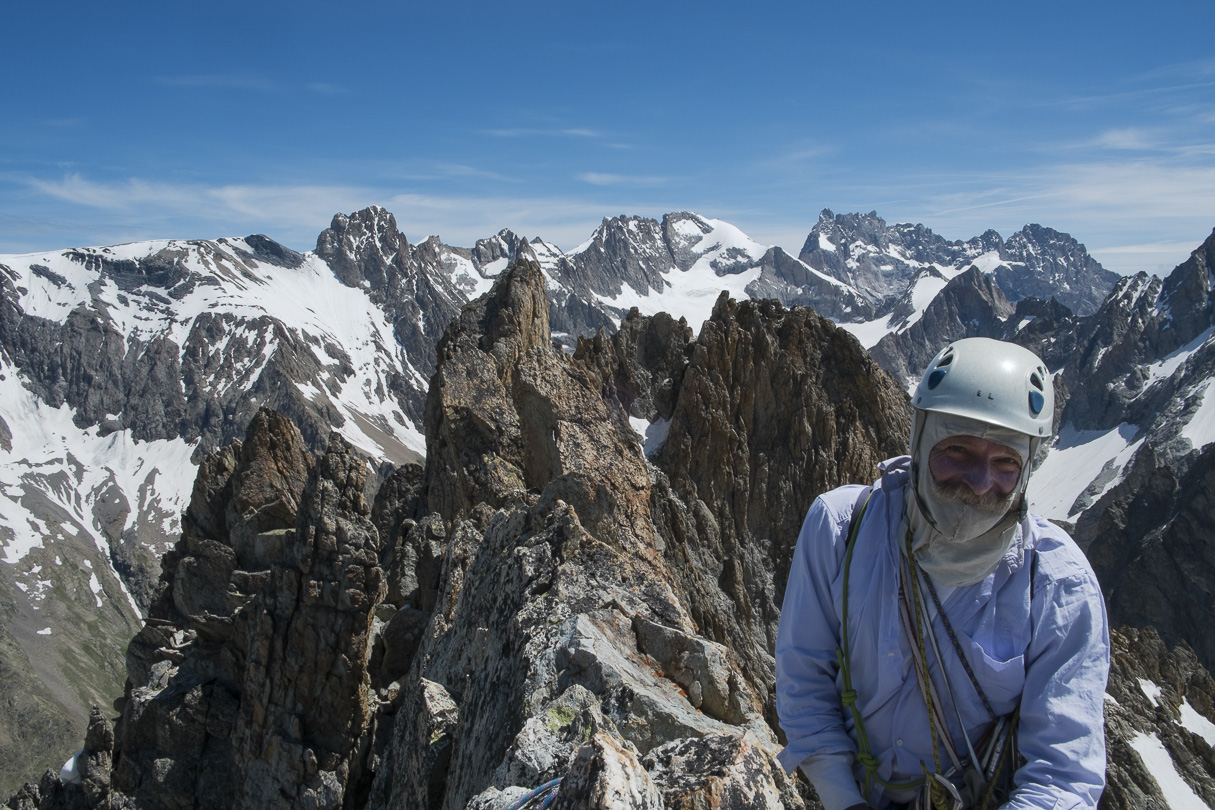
(975, 471)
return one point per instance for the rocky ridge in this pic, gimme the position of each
(541, 601)
(882, 261)
(1146, 521)
(122, 367)
(512, 613)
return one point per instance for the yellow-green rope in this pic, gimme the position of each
(864, 753)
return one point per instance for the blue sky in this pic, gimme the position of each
(127, 121)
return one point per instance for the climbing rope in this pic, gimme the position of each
(953, 637)
(941, 792)
(843, 654)
(541, 797)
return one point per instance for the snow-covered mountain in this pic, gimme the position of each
(885, 262)
(119, 368)
(122, 366)
(1139, 421)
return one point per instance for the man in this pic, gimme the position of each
(954, 627)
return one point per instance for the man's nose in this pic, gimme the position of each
(979, 478)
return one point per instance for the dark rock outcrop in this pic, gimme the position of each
(970, 305)
(1154, 697)
(1043, 263)
(793, 283)
(248, 685)
(1150, 541)
(642, 365)
(776, 406)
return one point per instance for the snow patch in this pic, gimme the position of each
(495, 268)
(1191, 720)
(1200, 430)
(987, 262)
(687, 228)
(95, 587)
(1158, 762)
(1070, 467)
(1151, 689)
(1164, 368)
(923, 291)
(869, 333)
(653, 434)
(46, 631)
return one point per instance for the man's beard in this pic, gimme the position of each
(989, 503)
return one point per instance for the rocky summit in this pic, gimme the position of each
(581, 584)
(677, 435)
(540, 601)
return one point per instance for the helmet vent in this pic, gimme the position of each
(934, 379)
(1036, 402)
(1035, 379)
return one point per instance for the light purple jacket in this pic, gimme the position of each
(1050, 651)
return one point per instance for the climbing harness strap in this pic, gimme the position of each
(953, 638)
(983, 775)
(843, 653)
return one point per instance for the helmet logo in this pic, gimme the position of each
(980, 393)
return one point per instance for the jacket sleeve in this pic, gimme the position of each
(807, 700)
(1061, 733)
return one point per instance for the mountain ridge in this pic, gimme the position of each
(357, 355)
(542, 601)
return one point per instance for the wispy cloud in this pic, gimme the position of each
(256, 204)
(1149, 248)
(1163, 83)
(1192, 69)
(521, 132)
(603, 179)
(230, 81)
(74, 188)
(1155, 257)
(460, 170)
(327, 88)
(295, 214)
(1127, 139)
(796, 162)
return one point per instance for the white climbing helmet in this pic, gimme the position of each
(991, 381)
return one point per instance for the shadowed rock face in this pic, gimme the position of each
(248, 684)
(540, 602)
(1161, 574)
(1151, 687)
(970, 305)
(776, 406)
